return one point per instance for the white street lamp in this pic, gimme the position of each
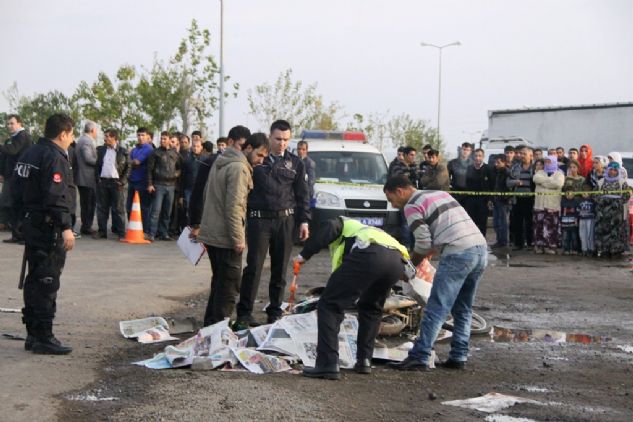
(439, 85)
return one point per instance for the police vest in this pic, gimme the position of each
(365, 234)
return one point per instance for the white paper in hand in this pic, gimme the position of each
(190, 248)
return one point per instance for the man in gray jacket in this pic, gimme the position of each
(222, 227)
(86, 156)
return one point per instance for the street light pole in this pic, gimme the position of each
(439, 85)
(221, 104)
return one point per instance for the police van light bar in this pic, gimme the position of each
(334, 135)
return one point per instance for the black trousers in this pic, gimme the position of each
(87, 202)
(273, 235)
(521, 221)
(477, 209)
(366, 275)
(111, 201)
(45, 256)
(226, 265)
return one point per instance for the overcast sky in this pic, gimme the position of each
(365, 54)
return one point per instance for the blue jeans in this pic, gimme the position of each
(146, 202)
(500, 212)
(454, 288)
(161, 210)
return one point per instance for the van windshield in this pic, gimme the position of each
(349, 166)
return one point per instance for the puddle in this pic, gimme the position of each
(513, 335)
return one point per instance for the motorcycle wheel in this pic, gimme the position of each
(478, 326)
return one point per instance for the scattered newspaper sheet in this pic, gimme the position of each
(489, 403)
(190, 248)
(146, 330)
(260, 363)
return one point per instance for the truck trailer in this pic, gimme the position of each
(606, 127)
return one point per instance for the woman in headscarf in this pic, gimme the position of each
(617, 157)
(549, 183)
(610, 232)
(597, 173)
(585, 160)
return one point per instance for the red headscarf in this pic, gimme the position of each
(586, 164)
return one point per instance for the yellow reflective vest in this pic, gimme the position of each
(364, 234)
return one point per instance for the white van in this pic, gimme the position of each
(350, 175)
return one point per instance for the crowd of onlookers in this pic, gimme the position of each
(107, 176)
(545, 200)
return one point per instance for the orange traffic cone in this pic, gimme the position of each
(134, 232)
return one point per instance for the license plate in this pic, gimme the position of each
(371, 221)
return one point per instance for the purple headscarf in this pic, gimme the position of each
(552, 166)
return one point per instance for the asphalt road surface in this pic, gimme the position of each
(105, 282)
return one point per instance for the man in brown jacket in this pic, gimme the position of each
(223, 218)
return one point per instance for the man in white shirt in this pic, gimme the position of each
(112, 170)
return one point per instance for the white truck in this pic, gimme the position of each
(350, 175)
(606, 127)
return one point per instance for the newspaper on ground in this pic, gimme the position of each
(157, 362)
(258, 334)
(146, 330)
(190, 248)
(212, 341)
(154, 335)
(397, 354)
(490, 403)
(296, 335)
(258, 362)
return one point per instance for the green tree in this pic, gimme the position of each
(159, 95)
(112, 103)
(405, 130)
(290, 100)
(197, 75)
(4, 132)
(36, 109)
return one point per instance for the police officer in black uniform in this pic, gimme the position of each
(280, 199)
(44, 184)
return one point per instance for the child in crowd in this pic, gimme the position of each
(569, 221)
(586, 223)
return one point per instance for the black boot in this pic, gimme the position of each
(328, 372)
(49, 346)
(453, 364)
(363, 366)
(28, 343)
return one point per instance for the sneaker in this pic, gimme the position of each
(549, 251)
(77, 235)
(99, 235)
(149, 237)
(566, 253)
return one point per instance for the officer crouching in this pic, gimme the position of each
(366, 263)
(45, 187)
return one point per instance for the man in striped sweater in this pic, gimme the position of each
(441, 226)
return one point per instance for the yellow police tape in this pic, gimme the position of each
(472, 193)
(588, 192)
